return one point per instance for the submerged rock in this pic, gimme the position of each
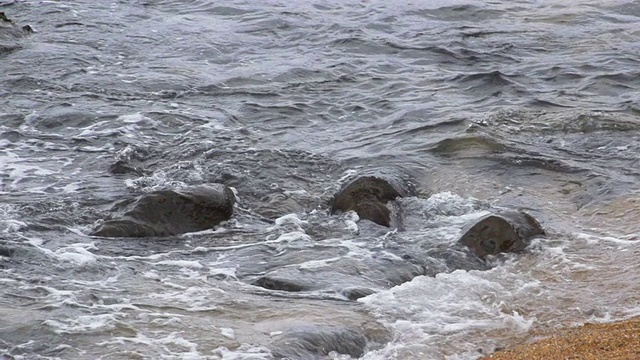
(4, 18)
(133, 160)
(10, 34)
(354, 278)
(316, 342)
(170, 212)
(274, 283)
(368, 197)
(6, 251)
(505, 231)
(122, 167)
(355, 292)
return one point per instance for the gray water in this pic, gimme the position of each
(516, 104)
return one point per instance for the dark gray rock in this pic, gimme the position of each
(505, 231)
(316, 342)
(6, 251)
(134, 160)
(122, 167)
(355, 292)
(368, 197)
(275, 283)
(10, 34)
(355, 278)
(401, 259)
(170, 212)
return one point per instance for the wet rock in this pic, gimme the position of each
(296, 279)
(170, 212)
(10, 34)
(368, 197)
(355, 292)
(275, 283)
(4, 17)
(122, 167)
(390, 270)
(6, 251)
(316, 342)
(352, 278)
(252, 173)
(505, 231)
(134, 160)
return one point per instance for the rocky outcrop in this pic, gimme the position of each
(170, 212)
(369, 196)
(504, 231)
(400, 258)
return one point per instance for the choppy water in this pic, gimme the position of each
(530, 104)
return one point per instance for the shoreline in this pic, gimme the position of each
(591, 341)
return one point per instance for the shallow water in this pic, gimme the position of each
(517, 104)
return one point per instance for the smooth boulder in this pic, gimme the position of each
(505, 231)
(369, 196)
(170, 212)
(316, 342)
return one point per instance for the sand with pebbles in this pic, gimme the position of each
(619, 340)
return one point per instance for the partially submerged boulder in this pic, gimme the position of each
(10, 34)
(170, 212)
(505, 231)
(315, 342)
(357, 277)
(368, 197)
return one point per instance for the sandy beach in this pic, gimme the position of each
(618, 340)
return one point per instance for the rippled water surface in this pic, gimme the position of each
(516, 104)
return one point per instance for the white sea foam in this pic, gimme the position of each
(193, 264)
(244, 352)
(450, 204)
(176, 339)
(100, 128)
(444, 214)
(193, 298)
(347, 175)
(593, 239)
(161, 317)
(83, 324)
(294, 239)
(316, 264)
(136, 118)
(351, 219)
(77, 253)
(74, 253)
(157, 180)
(228, 333)
(17, 170)
(449, 311)
(225, 271)
(170, 346)
(220, 229)
(72, 187)
(153, 275)
(289, 232)
(289, 219)
(11, 226)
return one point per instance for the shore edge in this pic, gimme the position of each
(591, 341)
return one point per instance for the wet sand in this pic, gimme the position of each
(619, 340)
